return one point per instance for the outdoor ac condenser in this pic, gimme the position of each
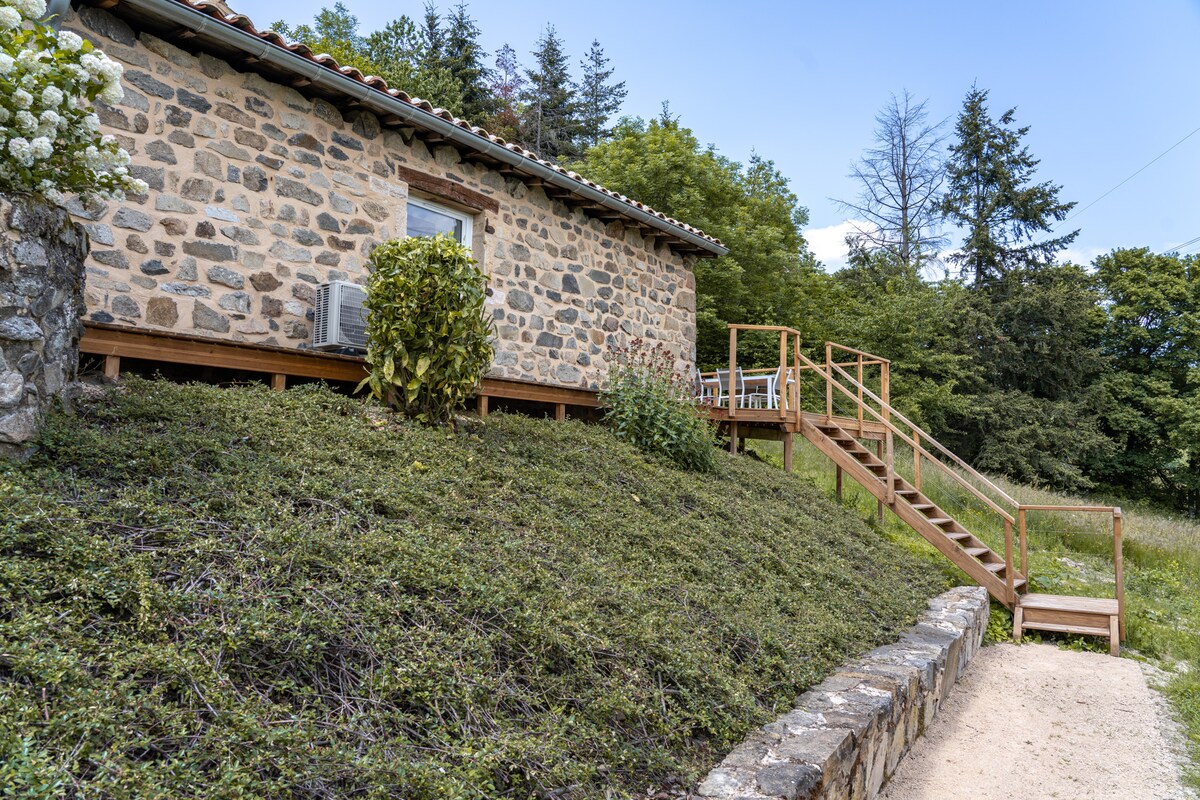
(339, 318)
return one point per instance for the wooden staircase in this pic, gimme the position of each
(918, 511)
(850, 414)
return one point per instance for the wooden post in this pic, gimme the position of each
(1022, 529)
(917, 460)
(781, 389)
(788, 441)
(838, 482)
(1119, 569)
(481, 405)
(1008, 561)
(112, 368)
(278, 381)
(732, 378)
(891, 466)
(879, 504)
(860, 395)
(733, 437)
(829, 381)
(560, 411)
(796, 377)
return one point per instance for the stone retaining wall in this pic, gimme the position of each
(258, 193)
(846, 735)
(41, 301)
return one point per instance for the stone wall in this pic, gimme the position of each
(846, 736)
(41, 301)
(259, 193)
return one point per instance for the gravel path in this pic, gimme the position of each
(1038, 722)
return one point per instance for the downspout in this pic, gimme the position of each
(192, 19)
(56, 10)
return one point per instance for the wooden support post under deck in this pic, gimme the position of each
(838, 482)
(733, 436)
(879, 504)
(560, 411)
(278, 381)
(787, 451)
(481, 405)
(112, 368)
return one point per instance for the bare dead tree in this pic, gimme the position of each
(902, 175)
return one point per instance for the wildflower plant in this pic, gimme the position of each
(50, 140)
(648, 403)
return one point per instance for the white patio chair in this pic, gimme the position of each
(740, 398)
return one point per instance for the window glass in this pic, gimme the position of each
(426, 221)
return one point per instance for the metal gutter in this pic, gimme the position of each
(203, 25)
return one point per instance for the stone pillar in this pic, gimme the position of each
(41, 302)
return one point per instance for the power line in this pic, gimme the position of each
(1127, 180)
(1180, 247)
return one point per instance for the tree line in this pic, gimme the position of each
(1079, 377)
(439, 58)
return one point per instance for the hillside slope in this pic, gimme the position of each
(232, 592)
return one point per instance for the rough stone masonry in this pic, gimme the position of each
(847, 734)
(259, 193)
(41, 301)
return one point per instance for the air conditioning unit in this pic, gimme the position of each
(340, 317)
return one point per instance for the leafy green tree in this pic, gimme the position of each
(1152, 405)
(333, 31)
(550, 124)
(398, 53)
(599, 98)
(991, 195)
(769, 277)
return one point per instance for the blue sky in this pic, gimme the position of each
(1105, 87)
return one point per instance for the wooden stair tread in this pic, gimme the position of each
(921, 506)
(940, 520)
(1082, 605)
(976, 551)
(994, 566)
(1058, 627)
(958, 536)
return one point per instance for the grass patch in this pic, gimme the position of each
(242, 593)
(1071, 554)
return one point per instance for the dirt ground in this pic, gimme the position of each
(1038, 722)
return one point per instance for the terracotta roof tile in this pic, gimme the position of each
(244, 23)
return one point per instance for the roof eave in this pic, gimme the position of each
(200, 25)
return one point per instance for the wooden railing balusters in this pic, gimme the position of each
(1009, 577)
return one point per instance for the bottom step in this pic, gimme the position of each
(1090, 616)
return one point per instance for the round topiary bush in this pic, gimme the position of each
(428, 342)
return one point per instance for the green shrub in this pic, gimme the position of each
(428, 343)
(652, 406)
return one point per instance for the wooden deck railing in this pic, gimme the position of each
(870, 406)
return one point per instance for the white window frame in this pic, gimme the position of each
(463, 217)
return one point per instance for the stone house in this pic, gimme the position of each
(273, 170)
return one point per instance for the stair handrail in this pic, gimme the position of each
(1005, 515)
(924, 435)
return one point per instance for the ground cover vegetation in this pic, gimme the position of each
(211, 592)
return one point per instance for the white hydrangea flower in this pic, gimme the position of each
(52, 97)
(10, 18)
(75, 71)
(30, 9)
(5, 115)
(51, 118)
(26, 121)
(69, 41)
(91, 123)
(42, 148)
(110, 70)
(91, 63)
(7, 63)
(22, 98)
(112, 94)
(21, 153)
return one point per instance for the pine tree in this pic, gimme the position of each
(465, 58)
(991, 195)
(433, 37)
(599, 100)
(399, 54)
(550, 124)
(506, 86)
